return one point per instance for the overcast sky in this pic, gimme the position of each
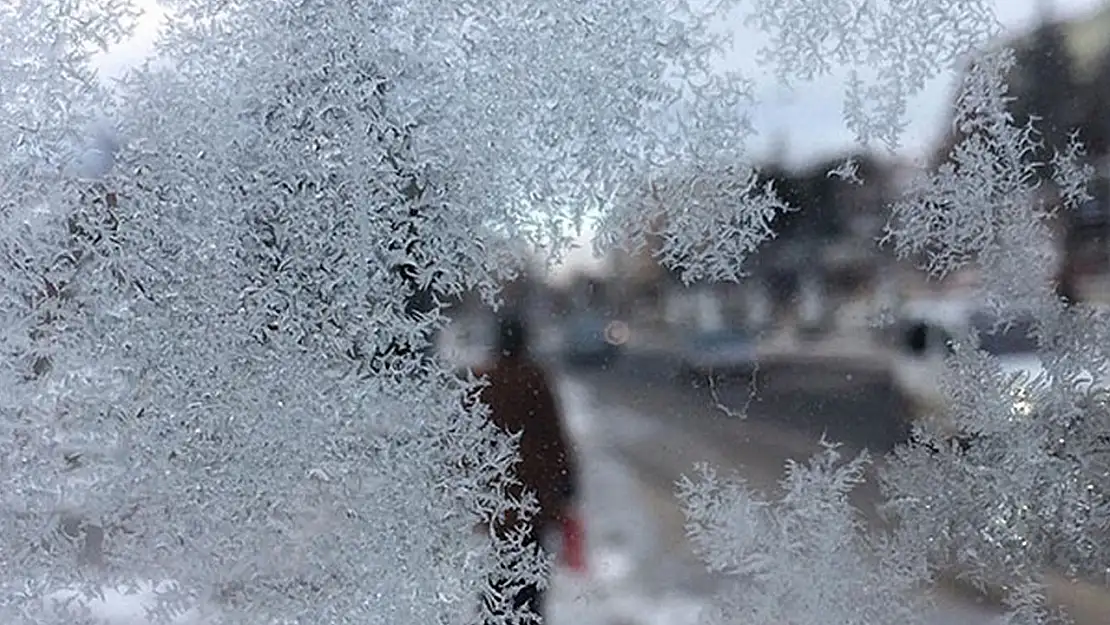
(809, 119)
(807, 122)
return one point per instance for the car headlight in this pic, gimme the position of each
(1023, 407)
(1023, 404)
(617, 333)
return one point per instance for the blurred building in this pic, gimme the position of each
(824, 253)
(643, 283)
(1062, 82)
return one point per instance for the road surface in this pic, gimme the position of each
(639, 431)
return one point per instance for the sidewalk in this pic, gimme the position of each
(633, 577)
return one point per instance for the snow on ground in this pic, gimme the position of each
(627, 578)
(119, 607)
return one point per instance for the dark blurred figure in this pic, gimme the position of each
(521, 399)
(1066, 289)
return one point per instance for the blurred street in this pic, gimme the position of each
(639, 429)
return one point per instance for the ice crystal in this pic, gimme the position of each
(219, 284)
(785, 556)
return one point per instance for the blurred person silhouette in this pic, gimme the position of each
(521, 400)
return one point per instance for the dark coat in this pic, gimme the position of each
(520, 399)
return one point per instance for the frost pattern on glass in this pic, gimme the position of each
(1020, 490)
(217, 288)
(985, 205)
(1023, 491)
(216, 352)
(893, 47)
(708, 220)
(56, 241)
(786, 557)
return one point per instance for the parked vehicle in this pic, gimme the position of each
(726, 351)
(593, 340)
(926, 337)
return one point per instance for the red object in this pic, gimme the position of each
(574, 547)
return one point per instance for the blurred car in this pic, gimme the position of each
(727, 351)
(592, 339)
(921, 341)
(926, 339)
